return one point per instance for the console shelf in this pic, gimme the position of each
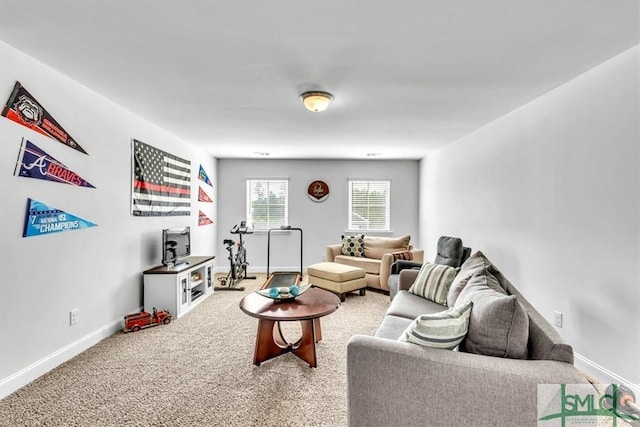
(178, 290)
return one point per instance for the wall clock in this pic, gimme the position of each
(318, 191)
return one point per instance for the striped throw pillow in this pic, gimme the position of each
(402, 255)
(443, 330)
(433, 282)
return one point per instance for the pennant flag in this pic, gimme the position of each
(203, 219)
(43, 219)
(203, 197)
(33, 162)
(24, 109)
(202, 176)
(161, 182)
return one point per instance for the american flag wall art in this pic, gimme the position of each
(161, 182)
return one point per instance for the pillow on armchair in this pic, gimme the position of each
(353, 245)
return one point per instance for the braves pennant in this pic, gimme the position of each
(203, 219)
(23, 108)
(43, 219)
(202, 176)
(203, 197)
(33, 162)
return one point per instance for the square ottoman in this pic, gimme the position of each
(337, 278)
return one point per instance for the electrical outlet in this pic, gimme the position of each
(557, 319)
(74, 316)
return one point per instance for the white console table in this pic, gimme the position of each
(178, 289)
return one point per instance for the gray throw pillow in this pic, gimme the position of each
(499, 325)
(475, 264)
(445, 329)
(433, 282)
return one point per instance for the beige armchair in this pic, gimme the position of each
(379, 254)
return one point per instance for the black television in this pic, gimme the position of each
(176, 245)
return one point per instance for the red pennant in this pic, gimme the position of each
(203, 219)
(203, 197)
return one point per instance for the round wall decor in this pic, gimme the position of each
(318, 191)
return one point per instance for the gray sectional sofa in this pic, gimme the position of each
(393, 383)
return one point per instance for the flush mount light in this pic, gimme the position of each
(316, 101)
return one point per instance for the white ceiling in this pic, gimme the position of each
(407, 76)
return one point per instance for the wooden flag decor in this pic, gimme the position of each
(161, 182)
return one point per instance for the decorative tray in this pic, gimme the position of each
(283, 293)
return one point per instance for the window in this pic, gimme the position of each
(369, 205)
(267, 203)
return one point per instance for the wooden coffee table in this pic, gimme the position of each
(307, 308)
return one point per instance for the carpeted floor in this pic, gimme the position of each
(198, 371)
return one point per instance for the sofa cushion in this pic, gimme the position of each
(376, 247)
(353, 245)
(499, 325)
(392, 327)
(445, 329)
(473, 265)
(410, 306)
(433, 282)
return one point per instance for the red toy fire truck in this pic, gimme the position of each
(135, 322)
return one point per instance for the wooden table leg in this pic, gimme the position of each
(305, 349)
(317, 329)
(271, 343)
(268, 344)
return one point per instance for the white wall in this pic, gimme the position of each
(550, 193)
(97, 270)
(322, 223)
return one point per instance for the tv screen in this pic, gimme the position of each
(176, 245)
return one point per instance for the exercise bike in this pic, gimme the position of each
(237, 262)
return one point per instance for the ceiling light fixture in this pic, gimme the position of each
(316, 101)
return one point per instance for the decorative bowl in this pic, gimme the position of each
(283, 293)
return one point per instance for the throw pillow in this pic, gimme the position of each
(498, 325)
(445, 329)
(353, 245)
(475, 264)
(403, 255)
(433, 282)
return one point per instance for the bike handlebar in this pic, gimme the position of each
(242, 229)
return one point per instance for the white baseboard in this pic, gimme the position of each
(601, 373)
(37, 369)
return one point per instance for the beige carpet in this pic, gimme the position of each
(198, 371)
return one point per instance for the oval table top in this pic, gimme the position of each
(312, 304)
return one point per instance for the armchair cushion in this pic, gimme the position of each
(445, 329)
(433, 282)
(376, 247)
(353, 245)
